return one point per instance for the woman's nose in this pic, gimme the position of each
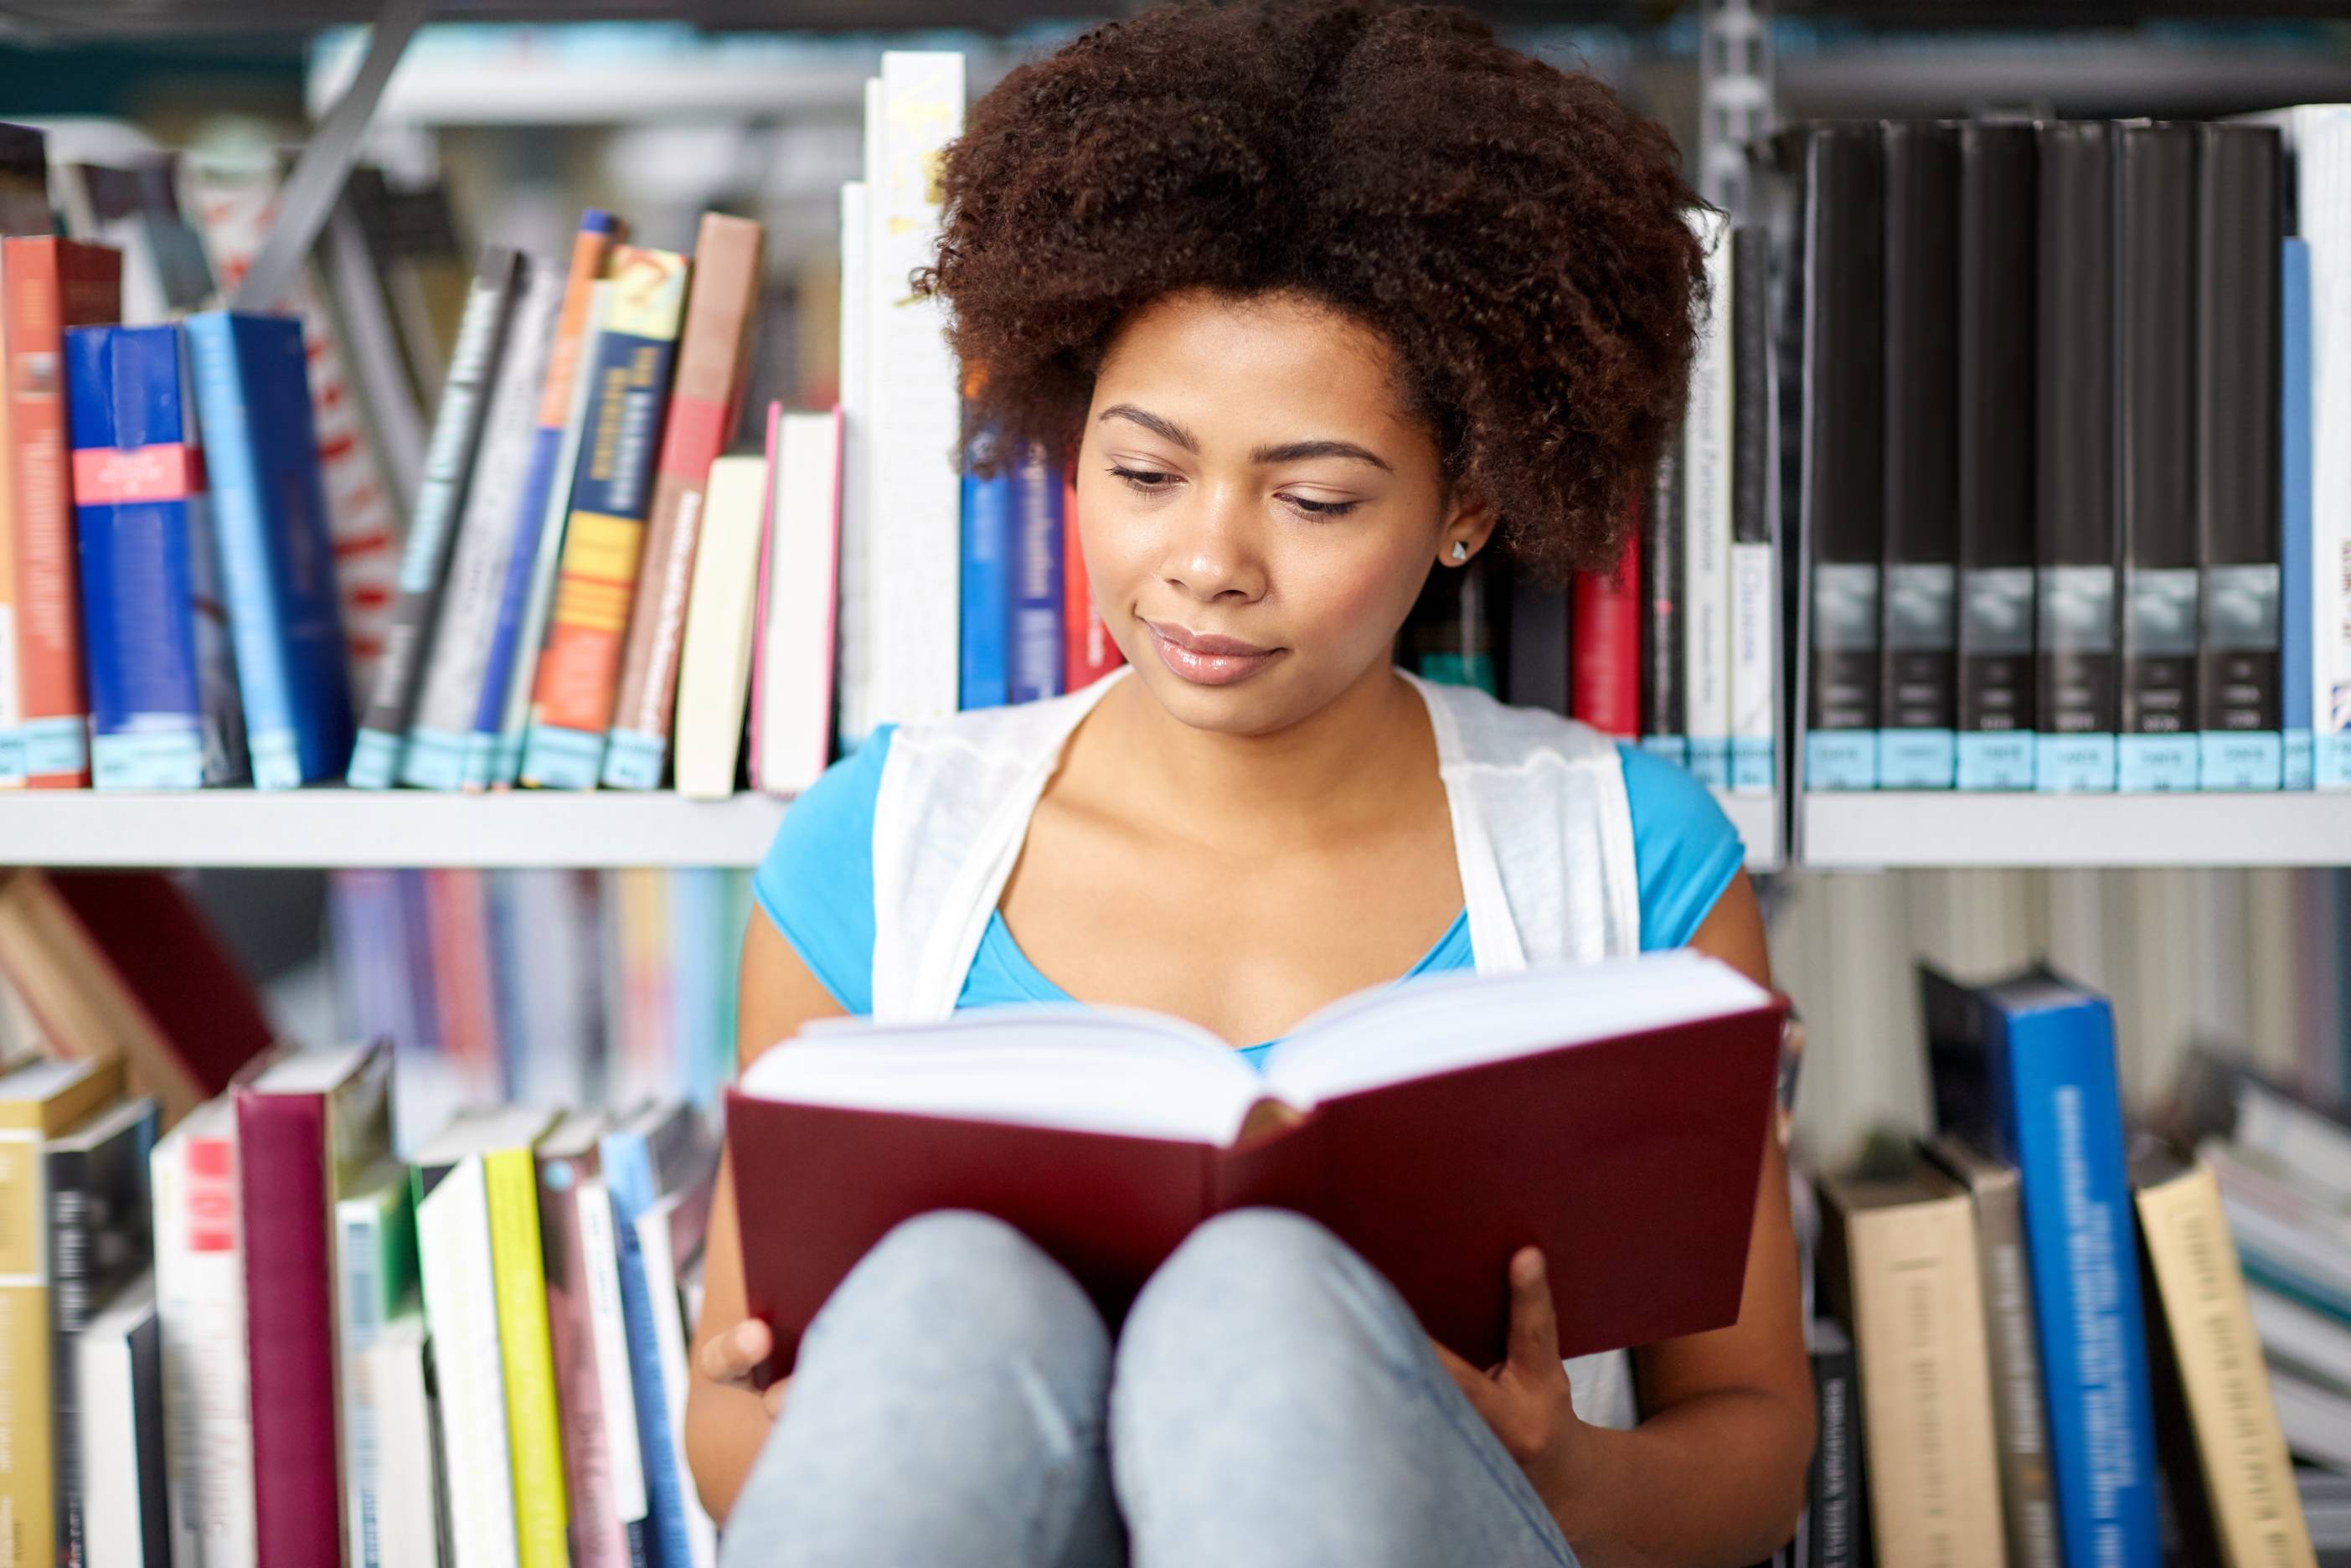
(1213, 552)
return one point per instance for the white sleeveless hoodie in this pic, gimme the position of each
(1541, 833)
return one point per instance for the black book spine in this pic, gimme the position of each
(2155, 192)
(1999, 180)
(1535, 644)
(2074, 417)
(1843, 449)
(2238, 430)
(1754, 587)
(1837, 1529)
(70, 1267)
(1662, 722)
(1917, 746)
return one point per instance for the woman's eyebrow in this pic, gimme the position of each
(1288, 452)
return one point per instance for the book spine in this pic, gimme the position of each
(762, 611)
(12, 737)
(579, 671)
(71, 1237)
(599, 1535)
(510, 1180)
(2021, 1426)
(1535, 672)
(853, 654)
(540, 506)
(461, 1310)
(1090, 652)
(1605, 620)
(2239, 744)
(449, 692)
(1835, 1526)
(1453, 632)
(629, 1178)
(658, 1249)
(360, 1308)
(2201, 1333)
(1662, 707)
(2322, 174)
(2298, 574)
(1919, 637)
(200, 1298)
(448, 465)
(797, 722)
(1754, 557)
(983, 628)
(289, 1316)
(1999, 176)
(1843, 451)
(2062, 1116)
(27, 1462)
(2075, 412)
(713, 664)
(1035, 654)
(121, 1453)
(414, 1531)
(1706, 480)
(269, 525)
(912, 391)
(165, 710)
(2155, 381)
(50, 285)
(609, 1332)
(712, 359)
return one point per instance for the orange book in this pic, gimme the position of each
(712, 355)
(51, 284)
(580, 671)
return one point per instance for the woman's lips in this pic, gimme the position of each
(1205, 660)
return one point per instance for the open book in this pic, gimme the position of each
(1613, 1114)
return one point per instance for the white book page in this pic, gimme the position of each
(1095, 1069)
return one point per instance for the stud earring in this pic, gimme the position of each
(1461, 552)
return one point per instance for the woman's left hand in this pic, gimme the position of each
(1526, 1399)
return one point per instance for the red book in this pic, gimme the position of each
(1443, 1126)
(310, 1117)
(1090, 655)
(51, 284)
(1604, 671)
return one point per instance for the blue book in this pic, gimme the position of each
(658, 1152)
(985, 664)
(278, 560)
(2294, 497)
(164, 712)
(2030, 1073)
(1037, 663)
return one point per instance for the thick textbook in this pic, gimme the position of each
(984, 665)
(200, 1297)
(713, 664)
(277, 558)
(1033, 653)
(792, 662)
(1610, 1114)
(1604, 630)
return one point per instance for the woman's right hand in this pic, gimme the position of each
(732, 1358)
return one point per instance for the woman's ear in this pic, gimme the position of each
(1468, 524)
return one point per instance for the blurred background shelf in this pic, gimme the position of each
(1891, 830)
(334, 827)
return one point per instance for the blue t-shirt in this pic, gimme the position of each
(816, 882)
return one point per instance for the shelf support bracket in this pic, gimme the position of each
(1735, 108)
(317, 181)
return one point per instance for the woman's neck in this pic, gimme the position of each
(1322, 779)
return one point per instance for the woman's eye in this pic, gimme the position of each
(1144, 479)
(1321, 509)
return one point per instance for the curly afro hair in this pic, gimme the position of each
(1516, 234)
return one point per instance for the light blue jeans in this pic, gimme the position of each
(1271, 1401)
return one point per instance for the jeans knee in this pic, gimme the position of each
(1261, 1282)
(971, 1272)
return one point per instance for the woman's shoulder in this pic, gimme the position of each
(815, 880)
(1685, 848)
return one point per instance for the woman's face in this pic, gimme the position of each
(1258, 509)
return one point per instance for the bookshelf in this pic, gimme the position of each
(1890, 829)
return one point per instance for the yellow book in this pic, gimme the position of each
(37, 1102)
(534, 1430)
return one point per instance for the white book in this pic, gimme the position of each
(854, 620)
(1706, 546)
(714, 665)
(669, 1227)
(1754, 635)
(599, 1250)
(121, 1388)
(461, 1313)
(545, 567)
(399, 1368)
(207, 1372)
(2317, 1420)
(449, 695)
(805, 531)
(2309, 1341)
(363, 1303)
(913, 386)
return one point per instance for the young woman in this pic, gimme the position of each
(1317, 298)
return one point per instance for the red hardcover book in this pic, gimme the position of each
(301, 1125)
(1604, 671)
(51, 284)
(1089, 652)
(1439, 1126)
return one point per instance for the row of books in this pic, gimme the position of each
(539, 988)
(260, 1337)
(2057, 420)
(2034, 1340)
